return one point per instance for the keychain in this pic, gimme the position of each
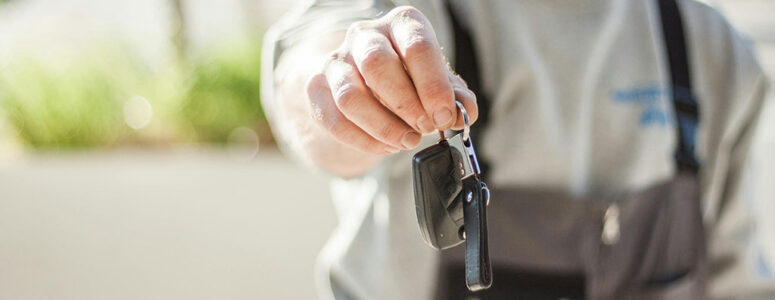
(451, 201)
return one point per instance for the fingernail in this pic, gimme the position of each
(425, 125)
(391, 149)
(411, 139)
(442, 117)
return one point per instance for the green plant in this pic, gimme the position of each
(224, 91)
(68, 105)
(80, 100)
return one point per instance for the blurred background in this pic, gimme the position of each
(135, 160)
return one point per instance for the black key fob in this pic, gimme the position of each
(451, 202)
(438, 181)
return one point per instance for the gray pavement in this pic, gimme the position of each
(159, 225)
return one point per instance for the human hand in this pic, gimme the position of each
(387, 83)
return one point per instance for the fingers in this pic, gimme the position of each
(467, 98)
(387, 83)
(327, 115)
(415, 41)
(355, 101)
(384, 73)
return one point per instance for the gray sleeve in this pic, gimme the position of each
(739, 259)
(731, 89)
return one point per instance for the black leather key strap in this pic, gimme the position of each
(478, 269)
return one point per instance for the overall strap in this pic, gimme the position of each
(467, 66)
(684, 103)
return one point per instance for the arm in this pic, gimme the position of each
(738, 256)
(343, 100)
(731, 97)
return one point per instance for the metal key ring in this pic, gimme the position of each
(466, 120)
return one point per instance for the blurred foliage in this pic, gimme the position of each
(78, 102)
(223, 92)
(67, 105)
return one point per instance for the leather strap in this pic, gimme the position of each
(478, 268)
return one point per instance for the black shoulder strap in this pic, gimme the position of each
(467, 66)
(684, 102)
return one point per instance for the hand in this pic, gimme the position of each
(387, 83)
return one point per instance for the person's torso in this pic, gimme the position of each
(580, 104)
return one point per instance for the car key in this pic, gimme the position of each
(451, 201)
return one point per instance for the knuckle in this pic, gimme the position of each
(315, 83)
(334, 57)
(419, 47)
(438, 91)
(407, 11)
(347, 98)
(358, 26)
(389, 132)
(457, 80)
(375, 59)
(316, 86)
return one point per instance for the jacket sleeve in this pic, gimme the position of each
(731, 89)
(740, 263)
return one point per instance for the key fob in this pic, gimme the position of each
(451, 202)
(438, 182)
